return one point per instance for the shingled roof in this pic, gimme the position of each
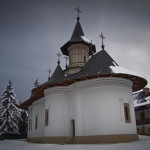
(58, 74)
(78, 37)
(99, 65)
(77, 33)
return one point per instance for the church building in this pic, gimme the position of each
(90, 101)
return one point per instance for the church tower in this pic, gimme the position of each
(78, 48)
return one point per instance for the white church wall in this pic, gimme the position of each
(56, 100)
(30, 121)
(36, 110)
(95, 105)
(75, 108)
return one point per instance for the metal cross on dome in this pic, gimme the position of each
(59, 55)
(49, 72)
(78, 11)
(102, 36)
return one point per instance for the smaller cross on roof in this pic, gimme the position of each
(59, 55)
(49, 72)
(78, 11)
(66, 57)
(102, 36)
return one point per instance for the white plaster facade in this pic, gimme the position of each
(96, 106)
(36, 110)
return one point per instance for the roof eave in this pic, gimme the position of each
(138, 83)
(65, 47)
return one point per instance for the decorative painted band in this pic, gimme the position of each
(86, 139)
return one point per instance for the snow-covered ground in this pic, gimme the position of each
(142, 144)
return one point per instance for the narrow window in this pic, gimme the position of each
(72, 128)
(127, 113)
(36, 122)
(84, 59)
(46, 117)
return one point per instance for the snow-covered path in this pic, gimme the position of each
(142, 144)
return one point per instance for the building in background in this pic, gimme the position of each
(142, 111)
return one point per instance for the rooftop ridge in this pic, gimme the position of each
(77, 32)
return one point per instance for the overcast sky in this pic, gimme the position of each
(32, 32)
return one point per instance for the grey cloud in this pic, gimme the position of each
(32, 32)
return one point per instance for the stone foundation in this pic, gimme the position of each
(86, 139)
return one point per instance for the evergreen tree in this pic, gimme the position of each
(1, 110)
(36, 83)
(23, 124)
(10, 114)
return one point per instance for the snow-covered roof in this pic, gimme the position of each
(86, 39)
(141, 98)
(142, 102)
(119, 69)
